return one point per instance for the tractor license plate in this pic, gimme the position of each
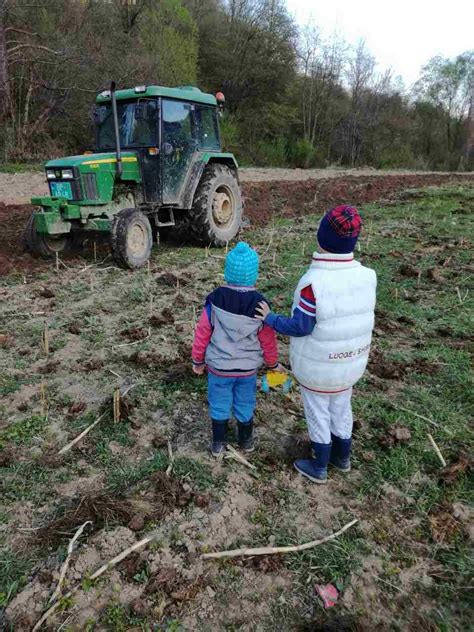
(61, 190)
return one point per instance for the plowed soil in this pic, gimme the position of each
(263, 199)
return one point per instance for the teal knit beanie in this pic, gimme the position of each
(241, 265)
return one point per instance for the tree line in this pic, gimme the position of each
(295, 96)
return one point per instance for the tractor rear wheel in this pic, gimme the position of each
(216, 215)
(131, 238)
(43, 245)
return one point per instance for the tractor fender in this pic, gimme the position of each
(197, 170)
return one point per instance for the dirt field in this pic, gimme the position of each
(70, 338)
(263, 199)
(18, 188)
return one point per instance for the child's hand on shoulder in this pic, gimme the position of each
(262, 310)
(199, 369)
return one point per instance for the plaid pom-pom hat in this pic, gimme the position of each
(339, 229)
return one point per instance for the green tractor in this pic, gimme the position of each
(158, 166)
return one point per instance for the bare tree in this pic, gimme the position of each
(4, 85)
(359, 78)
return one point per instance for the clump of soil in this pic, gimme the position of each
(396, 434)
(386, 369)
(165, 318)
(46, 292)
(134, 333)
(443, 526)
(94, 364)
(409, 271)
(74, 329)
(76, 408)
(435, 275)
(171, 280)
(451, 472)
(5, 341)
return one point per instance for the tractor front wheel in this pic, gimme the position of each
(131, 238)
(216, 215)
(43, 245)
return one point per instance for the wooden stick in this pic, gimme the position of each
(95, 251)
(97, 574)
(65, 566)
(72, 443)
(171, 458)
(120, 557)
(410, 412)
(44, 401)
(93, 425)
(116, 405)
(45, 339)
(57, 262)
(130, 344)
(233, 454)
(266, 550)
(437, 450)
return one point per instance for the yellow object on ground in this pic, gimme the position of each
(276, 378)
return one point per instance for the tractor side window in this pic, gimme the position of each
(177, 126)
(207, 125)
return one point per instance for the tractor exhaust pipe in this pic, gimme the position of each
(116, 128)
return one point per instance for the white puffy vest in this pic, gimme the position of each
(334, 356)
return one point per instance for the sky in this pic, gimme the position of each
(401, 34)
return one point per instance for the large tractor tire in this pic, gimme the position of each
(131, 238)
(42, 245)
(216, 215)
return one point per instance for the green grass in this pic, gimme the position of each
(24, 431)
(20, 167)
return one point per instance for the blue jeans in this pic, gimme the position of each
(227, 395)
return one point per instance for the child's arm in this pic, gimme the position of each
(202, 337)
(269, 345)
(301, 323)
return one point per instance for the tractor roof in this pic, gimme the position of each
(184, 93)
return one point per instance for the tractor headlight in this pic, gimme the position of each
(67, 174)
(50, 174)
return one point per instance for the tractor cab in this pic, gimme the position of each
(166, 132)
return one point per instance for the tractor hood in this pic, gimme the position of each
(105, 161)
(90, 178)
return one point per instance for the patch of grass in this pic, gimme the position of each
(14, 571)
(27, 480)
(21, 167)
(198, 474)
(122, 475)
(9, 384)
(24, 431)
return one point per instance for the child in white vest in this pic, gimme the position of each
(331, 331)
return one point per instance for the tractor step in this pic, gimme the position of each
(161, 220)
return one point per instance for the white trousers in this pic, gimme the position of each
(326, 413)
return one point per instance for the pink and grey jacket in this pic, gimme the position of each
(228, 337)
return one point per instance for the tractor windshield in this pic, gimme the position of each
(137, 124)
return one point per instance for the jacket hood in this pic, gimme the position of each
(236, 326)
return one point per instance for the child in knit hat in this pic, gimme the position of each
(331, 331)
(232, 345)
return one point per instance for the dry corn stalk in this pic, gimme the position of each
(116, 405)
(43, 400)
(45, 340)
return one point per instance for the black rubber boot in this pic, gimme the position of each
(219, 437)
(245, 436)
